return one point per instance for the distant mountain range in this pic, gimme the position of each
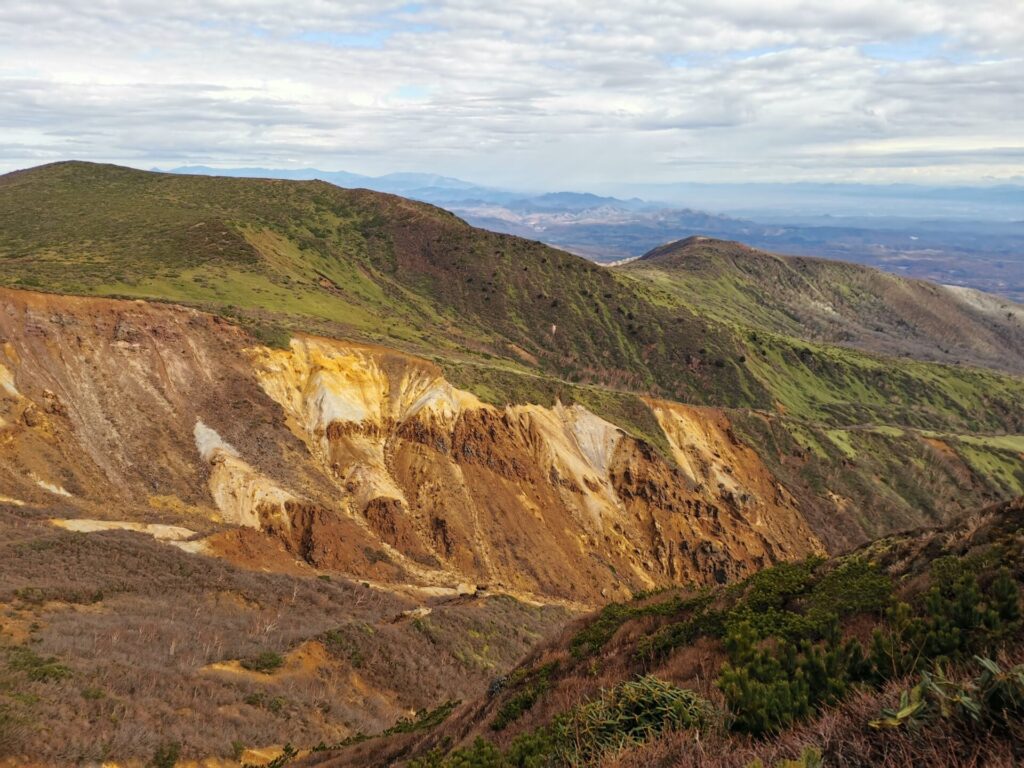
(966, 236)
(427, 187)
(986, 256)
(329, 456)
(804, 203)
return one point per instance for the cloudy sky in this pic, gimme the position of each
(532, 93)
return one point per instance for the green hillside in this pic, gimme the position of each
(513, 320)
(834, 302)
(374, 267)
(354, 263)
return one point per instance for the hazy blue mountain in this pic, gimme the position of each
(793, 203)
(341, 178)
(426, 187)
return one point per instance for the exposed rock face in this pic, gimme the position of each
(243, 496)
(368, 461)
(555, 500)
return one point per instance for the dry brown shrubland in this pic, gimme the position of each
(134, 622)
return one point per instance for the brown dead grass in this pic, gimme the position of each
(137, 622)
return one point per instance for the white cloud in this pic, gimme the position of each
(536, 94)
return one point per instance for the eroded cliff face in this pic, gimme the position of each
(367, 461)
(555, 500)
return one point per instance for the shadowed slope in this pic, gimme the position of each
(838, 303)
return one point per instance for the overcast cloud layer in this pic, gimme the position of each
(535, 94)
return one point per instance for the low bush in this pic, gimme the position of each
(630, 713)
(767, 688)
(783, 601)
(994, 699)
(531, 685)
(35, 667)
(266, 662)
(957, 619)
(272, 704)
(706, 622)
(166, 755)
(770, 684)
(593, 637)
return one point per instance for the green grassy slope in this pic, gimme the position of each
(358, 264)
(515, 321)
(848, 422)
(384, 269)
(835, 385)
(838, 303)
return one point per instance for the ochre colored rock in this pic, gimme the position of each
(367, 461)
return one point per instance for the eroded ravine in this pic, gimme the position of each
(367, 461)
(526, 495)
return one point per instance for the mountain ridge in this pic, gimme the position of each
(467, 435)
(609, 229)
(841, 302)
(370, 255)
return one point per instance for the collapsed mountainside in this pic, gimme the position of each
(182, 511)
(368, 461)
(898, 653)
(864, 444)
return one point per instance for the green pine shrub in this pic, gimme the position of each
(166, 755)
(705, 622)
(266, 662)
(593, 637)
(958, 619)
(767, 687)
(630, 713)
(772, 680)
(783, 601)
(531, 684)
(36, 668)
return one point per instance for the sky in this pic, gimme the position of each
(536, 94)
